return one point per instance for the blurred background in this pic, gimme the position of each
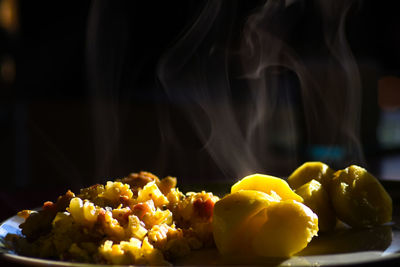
(82, 102)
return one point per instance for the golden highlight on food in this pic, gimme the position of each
(250, 223)
(268, 184)
(143, 220)
(263, 217)
(312, 170)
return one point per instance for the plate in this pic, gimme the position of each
(342, 247)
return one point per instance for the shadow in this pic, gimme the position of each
(210, 257)
(350, 240)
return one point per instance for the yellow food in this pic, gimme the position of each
(359, 199)
(317, 199)
(308, 171)
(234, 216)
(268, 184)
(143, 220)
(250, 223)
(139, 219)
(289, 227)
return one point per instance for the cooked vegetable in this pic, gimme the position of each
(268, 184)
(317, 199)
(311, 170)
(359, 198)
(250, 223)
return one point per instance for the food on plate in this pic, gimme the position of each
(269, 219)
(318, 200)
(235, 216)
(143, 220)
(312, 170)
(139, 219)
(250, 223)
(268, 184)
(359, 199)
(289, 228)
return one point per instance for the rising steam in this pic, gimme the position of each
(260, 97)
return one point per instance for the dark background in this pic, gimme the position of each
(49, 139)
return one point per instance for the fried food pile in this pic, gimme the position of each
(139, 219)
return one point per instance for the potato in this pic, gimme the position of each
(359, 199)
(289, 228)
(267, 184)
(234, 218)
(311, 170)
(317, 199)
(250, 223)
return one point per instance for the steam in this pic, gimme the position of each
(346, 78)
(195, 73)
(105, 63)
(249, 100)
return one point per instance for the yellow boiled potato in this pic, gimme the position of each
(232, 218)
(289, 228)
(311, 170)
(317, 199)
(267, 184)
(359, 199)
(250, 223)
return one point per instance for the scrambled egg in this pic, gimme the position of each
(139, 219)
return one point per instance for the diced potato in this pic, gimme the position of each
(311, 170)
(151, 191)
(317, 199)
(267, 184)
(359, 198)
(115, 190)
